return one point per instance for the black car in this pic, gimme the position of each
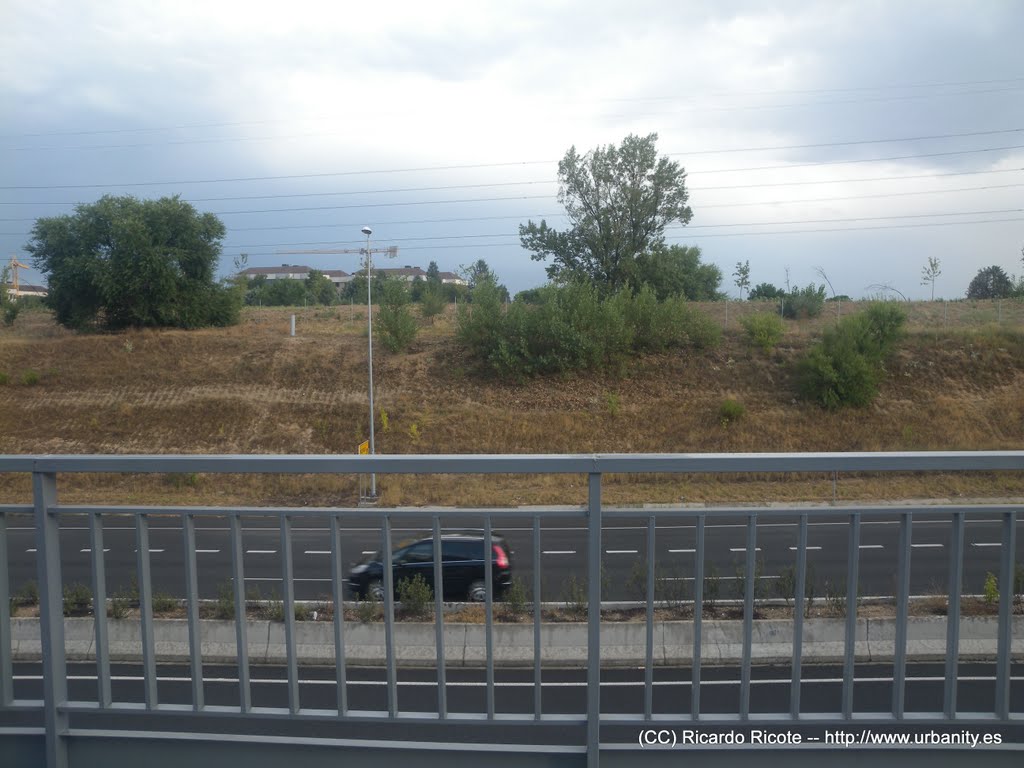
(462, 567)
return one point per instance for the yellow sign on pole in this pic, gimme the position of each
(364, 448)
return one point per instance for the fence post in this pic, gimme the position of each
(51, 618)
(594, 620)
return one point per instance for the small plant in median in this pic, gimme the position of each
(225, 606)
(516, 600)
(367, 610)
(991, 589)
(77, 599)
(574, 593)
(785, 586)
(415, 595)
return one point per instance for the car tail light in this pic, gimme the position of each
(500, 558)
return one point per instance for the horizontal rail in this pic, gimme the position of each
(527, 464)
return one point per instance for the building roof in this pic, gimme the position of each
(403, 272)
(289, 269)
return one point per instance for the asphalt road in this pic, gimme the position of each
(563, 547)
(564, 691)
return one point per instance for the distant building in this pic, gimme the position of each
(24, 289)
(450, 278)
(407, 273)
(295, 272)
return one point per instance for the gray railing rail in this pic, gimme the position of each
(69, 734)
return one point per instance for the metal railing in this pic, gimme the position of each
(71, 728)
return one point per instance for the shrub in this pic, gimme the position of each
(845, 368)
(224, 608)
(712, 587)
(730, 411)
(763, 329)
(77, 599)
(991, 589)
(29, 378)
(785, 586)
(120, 604)
(163, 603)
(516, 600)
(415, 595)
(804, 302)
(612, 402)
(396, 324)
(367, 611)
(432, 301)
(740, 582)
(574, 593)
(27, 595)
(5, 379)
(835, 598)
(10, 312)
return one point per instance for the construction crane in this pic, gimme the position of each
(15, 266)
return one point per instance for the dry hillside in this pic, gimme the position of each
(957, 382)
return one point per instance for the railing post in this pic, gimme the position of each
(6, 668)
(51, 618)
(594, 620)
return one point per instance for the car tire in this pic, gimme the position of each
(477, 592)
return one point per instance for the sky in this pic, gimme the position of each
(858, 138)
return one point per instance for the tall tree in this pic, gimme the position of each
(677, 270)
(619, 201)
(742, 275)
(433, 272)
(930, 273)
(123, 262)
(990, 283)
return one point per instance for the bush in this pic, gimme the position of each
(574, 593)
(395, 323)
(224, 608)
(730, 411)
(763, 329)
(29, 378)
(785, 586)
(516, 600)
(415, 595)
(712, 587)
(573, 328)
(28, 594)
(846, 367)
(164, 603)
(77, 599)
(804, 302)
(367, 611)
(991, 588)
(5, 379)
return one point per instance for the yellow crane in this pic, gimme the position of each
(15, 266)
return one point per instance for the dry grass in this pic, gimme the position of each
(252, 389)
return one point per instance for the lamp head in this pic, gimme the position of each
(366, 231)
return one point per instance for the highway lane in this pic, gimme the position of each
(564, 692)
(563, 547)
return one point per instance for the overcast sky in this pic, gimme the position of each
(440, 124)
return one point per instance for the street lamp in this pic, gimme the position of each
(369, 325)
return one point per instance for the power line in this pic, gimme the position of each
(237, 123)
(285, 177)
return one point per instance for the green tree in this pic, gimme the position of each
(619, 201)
(431, 300)
(122, 262)
(320, 289)
(930, 273)
(433, 272)
(990, 283)
(676, 270)
(765, 291)
(9, 307)
(395, 323)
(742, 275)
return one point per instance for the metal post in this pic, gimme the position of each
(241, 636)
(1005, 630)
(389, 618)
(698, 611)
(369, 334)
(288, 590)
(594, 620)
(537, 689)
(852, 572)
(798, 618)
(442, 690)
(338, 589)
(146, 610)
(293, 325)
(6, 666)
(956, 576)
(649, 657)
(51, 618)
(750, 578)
(489, 614)
(99, 610)
(195, 635)
(899, 665)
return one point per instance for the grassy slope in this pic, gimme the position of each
(252, 389)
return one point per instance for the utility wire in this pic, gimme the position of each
(242, 179)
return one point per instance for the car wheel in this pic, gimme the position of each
(477, 592)
(375, 591)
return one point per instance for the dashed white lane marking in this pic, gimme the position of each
(809, 549)
(207, 551)
(743, 549)
(723, 578)
(151, 550)
(871, 546)
(684, 551)
(926, 546)
(89, 549)
(30, 550)
(368, 552)
(317, 552)
(559, 552)
(261, 551)
(975, 544)
(620, 551)
(278, 578)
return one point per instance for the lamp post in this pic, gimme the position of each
(369, 325)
